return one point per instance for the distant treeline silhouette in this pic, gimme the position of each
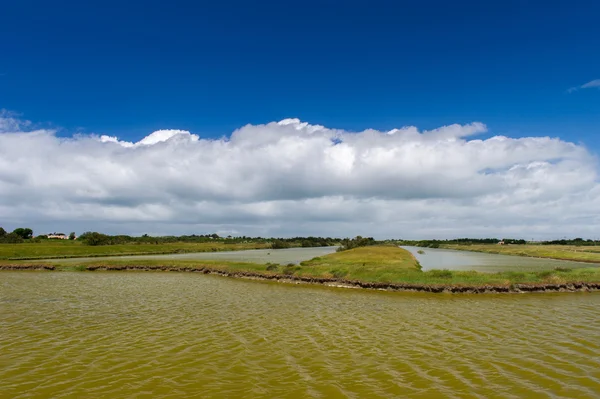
(507, 241)
(95, 238)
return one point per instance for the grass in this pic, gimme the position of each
(68, 249)
(563, 252)
(372, 263)
(377, 264)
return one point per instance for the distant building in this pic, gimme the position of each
(58, 236)
(501, 242)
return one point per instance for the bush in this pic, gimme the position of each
(337, 273)
(272, 267)
(23, 232)
(356, 242)
(289, 270)
(280, 244)
(545, 273)
(563, 269)
(93, 238)
(445, 273)
(11, 238)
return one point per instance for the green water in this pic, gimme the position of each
(171, 335)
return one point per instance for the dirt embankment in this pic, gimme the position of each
(27, 267)
(335, 282)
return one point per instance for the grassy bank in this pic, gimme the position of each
(67, 249)
(563, 252)
(378, 265)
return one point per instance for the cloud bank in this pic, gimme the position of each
(291, 178)
(589, 85)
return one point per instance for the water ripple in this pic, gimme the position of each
(160, 335)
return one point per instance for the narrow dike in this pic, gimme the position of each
(342, 283)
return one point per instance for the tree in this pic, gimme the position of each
(24, 232)
(2, 232)
(11, 238)
(94, 238)
(72, 235)
(280, 244)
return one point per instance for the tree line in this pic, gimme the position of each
(25, 234)
(18, 235)
(508, 241)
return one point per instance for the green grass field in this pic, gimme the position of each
(65, 248)
(564, 252)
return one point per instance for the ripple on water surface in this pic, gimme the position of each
(179, 335)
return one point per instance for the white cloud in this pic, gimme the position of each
(293, 178)
(589, 85)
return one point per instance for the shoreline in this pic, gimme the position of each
(525, 255)
(336, 282)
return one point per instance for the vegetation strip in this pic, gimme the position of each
(336, 282)
(378, 267)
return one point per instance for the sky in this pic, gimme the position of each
(427, 119)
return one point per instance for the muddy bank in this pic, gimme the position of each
(27, 267)
(335, 282)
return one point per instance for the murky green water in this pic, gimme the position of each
(434, 258)
(171, 335)
(282, 256)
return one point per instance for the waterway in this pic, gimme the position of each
(281, 256)
(172, 335)
(435, 258)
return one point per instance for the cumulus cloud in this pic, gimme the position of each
(293, 178)
(589, 85)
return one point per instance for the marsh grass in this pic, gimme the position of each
(59, 249)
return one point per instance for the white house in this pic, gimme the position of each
(59, 236)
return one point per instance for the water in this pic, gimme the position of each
(434, 258)
(281, 256)
(172, 335)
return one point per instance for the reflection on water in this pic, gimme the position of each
(433, 258)
(171, 335)
(282, 256)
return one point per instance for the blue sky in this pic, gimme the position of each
(128, 68)
(147, 90)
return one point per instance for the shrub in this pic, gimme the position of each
(11, 238)
(445, 273)
(337, 273)
(545, 273)
(358, 241)
(563, 269)
(272, 266)
(280, 244)
(289, 270)
(24, 232)
(94, 238)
